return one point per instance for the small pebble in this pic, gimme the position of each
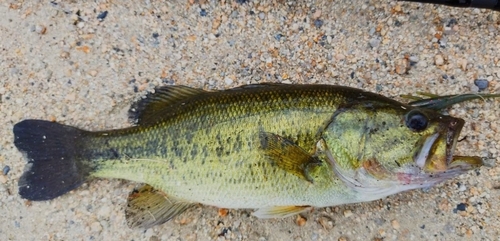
(185, 220)
(438, 60)
(474, 88)
(462, 207)
(300, 221)
(40, 29)
(451, 22)
(318, 23)
(96, 227)
(462, 188)
(326, 222)
(6, 170)
(228, 81)
(203, 13)
(489, 162)
(347, 213)
(262, 15)
(102, 16)
(223, 212)
(374, 42)
(397, 9)
(402, 66)
(395, 224)
(316, 14)
(64, 55)
(3, 179)
(463, 64)
(234, 14)
(442, 43)
(482, 84)
(413, 59)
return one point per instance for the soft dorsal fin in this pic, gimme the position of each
(289, 156)
(147, 109)
(148, 207)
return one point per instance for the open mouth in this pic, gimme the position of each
(436, 152)
(462, 162)
(454, 129)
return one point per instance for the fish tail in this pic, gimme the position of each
(55, 165)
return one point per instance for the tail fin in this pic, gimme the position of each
(54, 164)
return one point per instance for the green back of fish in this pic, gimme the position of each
(207, 146)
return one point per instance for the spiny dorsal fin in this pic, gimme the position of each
(157, 104)
(148, 207)
(288, 156)
(280, 211)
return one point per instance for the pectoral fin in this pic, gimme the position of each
(288, 156)
(148, 207)
(280, 212)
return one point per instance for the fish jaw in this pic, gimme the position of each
(436, 154)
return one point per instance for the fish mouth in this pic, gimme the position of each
(436, 153)
(454, 128)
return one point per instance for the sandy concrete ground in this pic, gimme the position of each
(65, 61)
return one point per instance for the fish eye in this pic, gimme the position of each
(416, 121)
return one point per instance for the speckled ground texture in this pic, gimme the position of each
(67, 61)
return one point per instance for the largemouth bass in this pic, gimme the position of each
(277, 148)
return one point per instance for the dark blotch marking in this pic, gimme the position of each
(219, 151)
(194, 152)
(397, 163)
(114, 154)
(189, 137)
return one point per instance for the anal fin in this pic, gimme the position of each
(148, 207)
(280, 211)
(289, 156)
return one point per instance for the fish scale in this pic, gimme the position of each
(221, 123)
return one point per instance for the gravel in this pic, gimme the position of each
(68, 61)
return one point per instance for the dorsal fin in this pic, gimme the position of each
(147, 109)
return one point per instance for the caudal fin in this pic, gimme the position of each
(54, 163)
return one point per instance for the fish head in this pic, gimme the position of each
(392, 147)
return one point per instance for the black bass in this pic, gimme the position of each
(277, 148)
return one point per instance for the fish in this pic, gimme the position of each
(280, 149)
